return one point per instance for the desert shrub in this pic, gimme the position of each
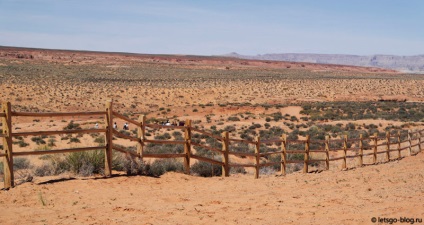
(161, 166)
(276, 116)
(51, 142)
(131, 165)
(43, 148)
(275, 158)
(350, 126)
(38, 140)
(19, 138)
(177, 135)
(233, 118)
(203, 151)
(21, 163)
(86, 163)
(100, 140)
(294, 167)
(295, 156)
(246, 136)
(316, 132)
(403, 111)
(214, 142)
(125, 132)
(293, 135)
(72, 126)
(46, 169)
(234, 170)
(74, 140)
(264, 148)
(205, 169)
(21, 143)
(164, 136)
(164, 148)
(268, 170)
(230, 128)
(55, 164)
(272, 133)
(254, 126)
(242, 147)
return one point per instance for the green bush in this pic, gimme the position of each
(205, 169)
(54, 165)
(164, 148)
(131, 165)
(75, 140)
(177, 135)
(52, 142)
(100, 140)
(164, 136)
(21, 163)
(233, 118)
(234, 170)
(21, 143)
(161, 166)
(46, 169)
(72, 126)
(86, 163)
(275, 158)
(39, 140)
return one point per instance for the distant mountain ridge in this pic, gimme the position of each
(410, 64)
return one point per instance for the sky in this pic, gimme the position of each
(201, 27)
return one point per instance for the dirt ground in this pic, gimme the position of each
(390, 190)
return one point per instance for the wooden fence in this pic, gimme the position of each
(325, 151)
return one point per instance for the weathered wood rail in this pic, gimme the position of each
(377, 145)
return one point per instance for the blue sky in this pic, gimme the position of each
(360, 27)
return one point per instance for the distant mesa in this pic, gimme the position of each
(408, 64)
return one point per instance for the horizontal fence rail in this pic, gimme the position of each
(44, 152)
(39, 133)
(58, 114)
(323, 151)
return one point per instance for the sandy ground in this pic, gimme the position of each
(390, 190)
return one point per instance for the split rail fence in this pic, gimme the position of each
(349, 148)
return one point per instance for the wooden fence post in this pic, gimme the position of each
(374, 156)
(419, 141)
(225, 145)
(344, 165)
(306, 155)
(361, 150)
(398, 144)
(387, 146)
(187, 146)
(141, 130)
(327, 152)
(9, 180)
(284, 154)
(257, 156)
(109, 137)
(410, 142)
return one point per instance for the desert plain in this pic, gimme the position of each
(245, 97)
